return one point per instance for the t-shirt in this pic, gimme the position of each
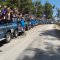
(22, 23)
(4, 11)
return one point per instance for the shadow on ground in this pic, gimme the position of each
(2, 43)
(54, 33)
(50, 51)
(42, 55)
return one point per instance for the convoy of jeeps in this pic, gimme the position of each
(12, 28)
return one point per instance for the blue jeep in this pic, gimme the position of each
(18, 22)
(7, 29)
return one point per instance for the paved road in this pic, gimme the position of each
(40, 43)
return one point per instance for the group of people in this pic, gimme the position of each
(9, 13)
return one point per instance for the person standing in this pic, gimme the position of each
(22, 23)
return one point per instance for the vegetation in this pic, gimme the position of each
(38, 9)
(48, 10)
(58, 12)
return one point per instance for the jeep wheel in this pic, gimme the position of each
(16, 34)
(8, 37)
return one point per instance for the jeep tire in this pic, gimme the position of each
(16, 34)
(8, 37)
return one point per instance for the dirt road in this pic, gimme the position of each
(39, 43)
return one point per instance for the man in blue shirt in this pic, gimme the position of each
(22, 23)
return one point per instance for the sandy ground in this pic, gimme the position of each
(46, 46)
(40, 43)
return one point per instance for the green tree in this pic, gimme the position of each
(9, 3)
(58, 12)
(38, 9)
(25, 5)
(22, 5)
(48, 10)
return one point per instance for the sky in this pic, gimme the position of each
(53, 2)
